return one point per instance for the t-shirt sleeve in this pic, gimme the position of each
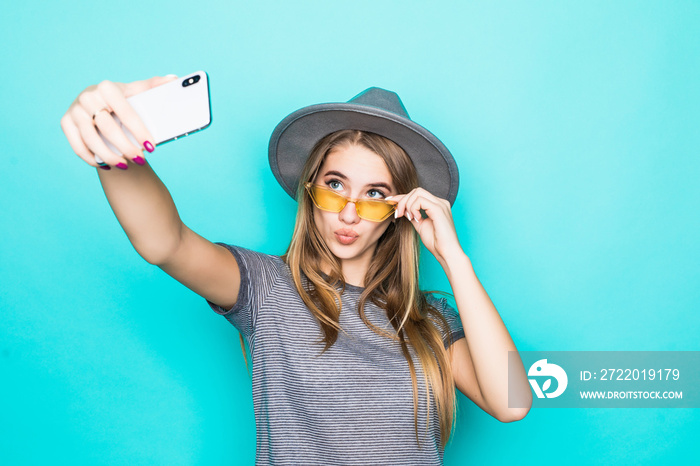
(450, 314)
(259, 273)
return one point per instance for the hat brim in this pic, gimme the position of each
(295, 136)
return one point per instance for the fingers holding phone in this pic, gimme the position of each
(79, 126)
(118, 123)
(102, 127)
(122, 98)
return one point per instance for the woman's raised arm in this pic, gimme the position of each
(139, 199)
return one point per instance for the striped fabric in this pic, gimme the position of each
(352, 405)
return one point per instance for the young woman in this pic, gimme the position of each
(351, 362)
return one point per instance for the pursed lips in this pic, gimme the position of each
(346, 236)
(346, 232)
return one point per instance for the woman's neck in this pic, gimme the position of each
(353, 270)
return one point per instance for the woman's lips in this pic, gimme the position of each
(346, 237)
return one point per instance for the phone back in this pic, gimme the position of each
(169, 111)
(176, 108)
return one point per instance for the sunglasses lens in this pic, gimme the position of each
(375, 211)
(327, 200)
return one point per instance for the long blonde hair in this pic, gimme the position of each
(391, 281)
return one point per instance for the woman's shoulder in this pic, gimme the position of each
(454, 330)
(436, 299)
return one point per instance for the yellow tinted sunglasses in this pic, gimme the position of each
(374, 210)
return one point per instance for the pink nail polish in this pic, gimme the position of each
(149, 147)
(122, 165)
(139, 160)
(105, 167)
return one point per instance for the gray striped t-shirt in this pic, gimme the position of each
(351, 405)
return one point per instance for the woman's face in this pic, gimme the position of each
(358, 173)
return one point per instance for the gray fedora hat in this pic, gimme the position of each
(374, 110)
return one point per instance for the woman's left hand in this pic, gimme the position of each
(438, 230)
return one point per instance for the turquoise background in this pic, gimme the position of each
(575, 127)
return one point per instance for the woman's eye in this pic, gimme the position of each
(334, 184)
(377, 194)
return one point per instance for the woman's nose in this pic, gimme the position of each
(349, 213)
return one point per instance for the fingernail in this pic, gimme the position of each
(122, 165)
(396, 214)
(149, 147)
(171, 76)
(408, 216)
(139, 160)
(105, 167)
(388, 197)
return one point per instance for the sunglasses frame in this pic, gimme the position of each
(309, 186)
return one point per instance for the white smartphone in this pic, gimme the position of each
(170, 111)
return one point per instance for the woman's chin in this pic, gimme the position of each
(342, 251)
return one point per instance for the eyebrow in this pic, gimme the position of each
(372, 185)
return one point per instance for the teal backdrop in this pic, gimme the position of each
(575, 128)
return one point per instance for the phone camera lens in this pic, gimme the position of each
(191, 80)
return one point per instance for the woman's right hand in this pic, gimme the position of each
(94, 108)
